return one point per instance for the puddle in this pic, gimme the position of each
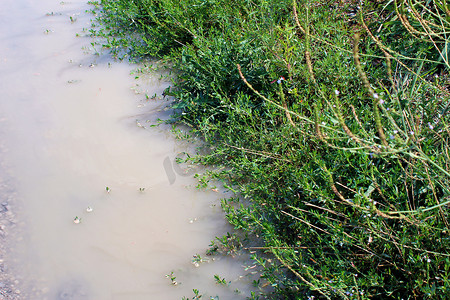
(79, 146)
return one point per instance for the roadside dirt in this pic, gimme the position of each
(9, 285)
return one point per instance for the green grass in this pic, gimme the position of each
(343, 166)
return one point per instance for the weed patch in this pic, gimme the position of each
(330, 118)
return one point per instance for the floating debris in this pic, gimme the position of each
(89, 209)
(73, 81)
(77, 220)
(138, 124)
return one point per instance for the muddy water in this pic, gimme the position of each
(77, 140)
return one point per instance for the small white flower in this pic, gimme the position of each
(430, 126)
(375, 95)
(428, 260)
(381, 101)
(336, 92)
(411, 132)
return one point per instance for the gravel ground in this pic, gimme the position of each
(9, 230)
(8, 284)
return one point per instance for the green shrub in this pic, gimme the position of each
(332, 126)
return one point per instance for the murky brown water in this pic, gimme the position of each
(74, 123)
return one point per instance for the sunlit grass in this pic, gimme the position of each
(340, 168)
